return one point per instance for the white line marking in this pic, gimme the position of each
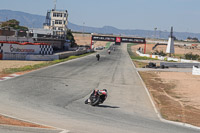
(15, 75)
(64, 131)
(5, 78)
(9, 77)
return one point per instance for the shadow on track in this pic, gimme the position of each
(107, 106)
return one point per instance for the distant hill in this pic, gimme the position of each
(25, 19)
(36, 21)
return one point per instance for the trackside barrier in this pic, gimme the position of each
(166, 58)
(195, 70)
(15, 56)
(72, 53)
(42, 57)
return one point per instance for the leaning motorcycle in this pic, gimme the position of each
(97, 97)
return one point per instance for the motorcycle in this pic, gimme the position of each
(98, 57)
(109, 51)
(97, 97)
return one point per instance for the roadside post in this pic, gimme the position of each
(145, 46)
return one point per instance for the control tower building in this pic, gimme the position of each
(57, 21)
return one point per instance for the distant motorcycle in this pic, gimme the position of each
(109, 51)
(98, 57)
(97, 97)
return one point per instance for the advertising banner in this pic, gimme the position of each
(103, 38)
(27, 49)
(118, 39)
(21, 49)
(133, 40)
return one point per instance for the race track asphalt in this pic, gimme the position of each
(55, 96)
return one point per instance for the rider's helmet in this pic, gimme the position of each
(105, 90)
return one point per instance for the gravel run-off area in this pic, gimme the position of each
(175, 94)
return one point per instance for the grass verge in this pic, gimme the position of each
(37, 66)
(134, 56)
(140, 64)
(108, 45)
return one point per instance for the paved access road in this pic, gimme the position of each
(55, 96)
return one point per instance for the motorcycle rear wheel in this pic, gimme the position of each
(94, 100)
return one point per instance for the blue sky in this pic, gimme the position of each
(184, 15)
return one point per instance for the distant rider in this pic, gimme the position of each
(109, 51)
(98, 56)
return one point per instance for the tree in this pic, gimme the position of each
(14, 24)
(70, 37)
(193, 39)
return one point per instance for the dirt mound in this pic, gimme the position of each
(176, 95)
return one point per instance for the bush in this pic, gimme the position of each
(161, 53)
(191, 56)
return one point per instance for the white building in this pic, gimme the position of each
(57, 21)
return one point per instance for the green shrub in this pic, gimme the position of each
(37, 66)
(161, 53)
(191, 56)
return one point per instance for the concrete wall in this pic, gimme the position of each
(15, 56)
(73, 53)
(42, 57)
(179, 65)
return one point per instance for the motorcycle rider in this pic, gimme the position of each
(98, 57)
(94, 93)
(109, 51)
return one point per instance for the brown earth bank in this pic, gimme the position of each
(4, 64)
(10, 121)
(176, 95)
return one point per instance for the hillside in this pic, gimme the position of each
(36, 21)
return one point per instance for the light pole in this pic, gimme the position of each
(155, 33)
(83, 28)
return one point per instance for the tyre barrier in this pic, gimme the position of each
(196, 70)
